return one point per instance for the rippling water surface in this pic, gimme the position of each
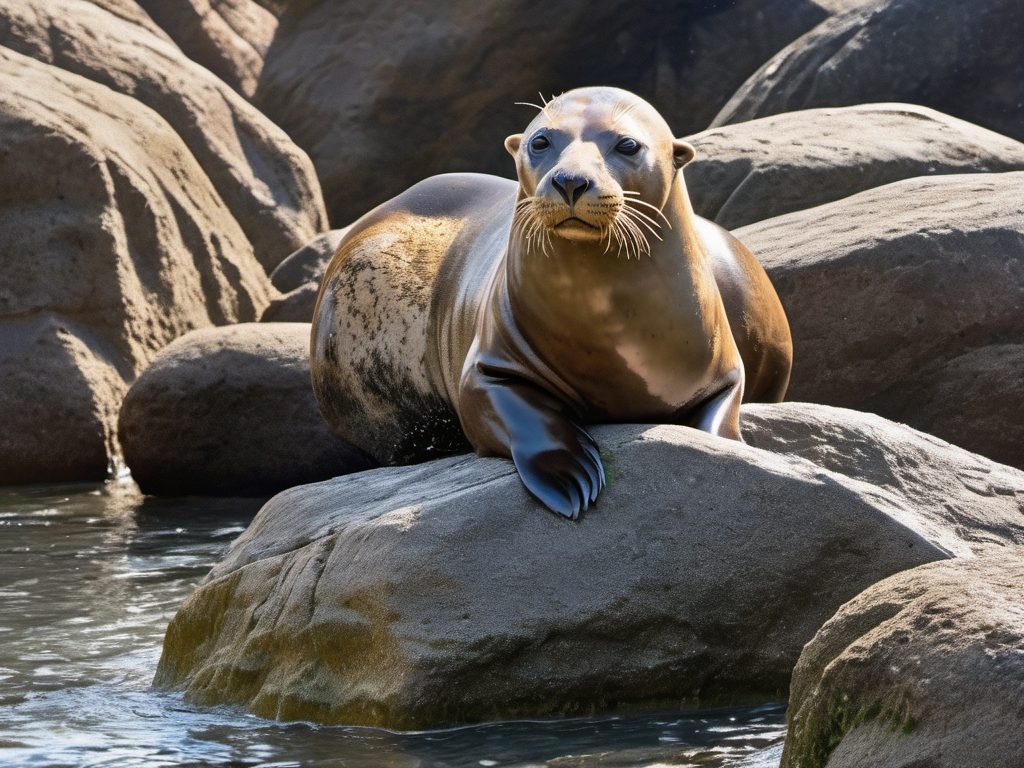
(91, 574)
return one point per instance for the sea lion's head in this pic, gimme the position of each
(595, 165)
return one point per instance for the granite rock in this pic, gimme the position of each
(763, 168)
(959, 58)
(267, 182)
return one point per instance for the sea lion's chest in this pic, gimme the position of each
(629, 342)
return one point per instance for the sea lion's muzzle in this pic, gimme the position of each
(578, 203)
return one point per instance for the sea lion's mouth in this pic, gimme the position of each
(574, 221)
(574, 228)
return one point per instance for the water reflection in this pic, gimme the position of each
(89, 577)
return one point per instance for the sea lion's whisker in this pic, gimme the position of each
(648, 227)
(640, 241)
(613, 231)
(535, 233)
(641, 218)
(654, 208)
(638, 235)
(538, 107)
(608, 231)
(633, 239)
(637, 212)
(521, 221)
(617, 227)
(529, 227)
(634, 197)
(629, 239)
(644, 224)
(621, 109)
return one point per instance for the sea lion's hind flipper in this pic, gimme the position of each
(557, 460)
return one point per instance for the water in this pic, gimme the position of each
(91, 574)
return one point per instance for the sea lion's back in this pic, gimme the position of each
(370, 350)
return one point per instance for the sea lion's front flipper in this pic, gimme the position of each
(566, 475)
(720, 413)
(558, 461)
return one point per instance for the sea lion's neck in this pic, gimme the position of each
(569, 276)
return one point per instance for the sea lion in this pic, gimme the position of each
(511, 315)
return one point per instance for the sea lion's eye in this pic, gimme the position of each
(627, 146)
(539, 143)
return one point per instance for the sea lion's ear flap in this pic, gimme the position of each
(512, 143)
(682, 153)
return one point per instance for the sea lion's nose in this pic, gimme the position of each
(570, 187)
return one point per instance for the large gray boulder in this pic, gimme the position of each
(892, 295)
(114, 242)
(763, 168)
(266, 181)
(441, 593)
(922, 669)
(231, 411)
(963, 59)
(382, 94)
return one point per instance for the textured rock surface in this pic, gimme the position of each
(959, 58)
(129, 10)
(892, 293)
(922, 669)
(308, 263)
(114, 243)
(974, 399)
(265, 180)
(756, 170)
(443, 97)
(299, 277)
(294, 307)
(442, 592)
(230, 411)
(59, 392)
(228, 37)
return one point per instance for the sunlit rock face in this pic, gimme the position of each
(228, 37)
(265, 181)
(114, 243)
(443, 593)
(763, 168)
